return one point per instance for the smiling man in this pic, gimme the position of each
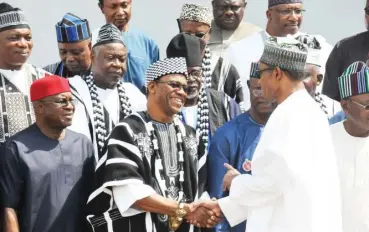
(142, 51)
(16, 75)
(74, 43)
(228, 26)
(105, 99)
(284, 17)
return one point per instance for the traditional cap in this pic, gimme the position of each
(279, 2)
(48, 86)
(187, 46)
(354, 81)
(285, 52)
(176, 65)
(197, 13)
(11, 18)
(109, 33)
(72, 29)
(254, 70)
(314, 49)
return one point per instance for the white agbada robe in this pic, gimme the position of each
(353, 164)
(242, 53)
(110, 99)
(294, 186)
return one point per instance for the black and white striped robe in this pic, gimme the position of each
(129, 160)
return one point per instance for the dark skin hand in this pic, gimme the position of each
(209, 216)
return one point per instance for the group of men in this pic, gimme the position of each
(232, 125)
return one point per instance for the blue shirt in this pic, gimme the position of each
(233, 143)
(338, 117)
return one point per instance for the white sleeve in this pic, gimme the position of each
(137, 99)
(125, 196)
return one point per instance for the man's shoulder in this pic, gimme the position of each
(51, 68)
(249, 41)
(23, 135)
(347, 42)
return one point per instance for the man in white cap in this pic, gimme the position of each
(284, 17)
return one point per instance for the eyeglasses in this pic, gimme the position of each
(175, 85)
(197, 74)
(263, 70)
(366, 9)
(225, 8)
(199, 35)
(288, 12)
(62, 102)
(365, 107)
(257, 92)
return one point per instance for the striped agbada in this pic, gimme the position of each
(146, 157)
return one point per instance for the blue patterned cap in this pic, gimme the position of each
(354, 81)
(72, 29)
(279, 2)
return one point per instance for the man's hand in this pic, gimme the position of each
(229, 176)
(207, 214)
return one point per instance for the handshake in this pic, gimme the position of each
(204, 213)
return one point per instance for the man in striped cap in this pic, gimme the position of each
(74, 43)
(294, 183)
(16, 75)
(149, 177)
(351, 142)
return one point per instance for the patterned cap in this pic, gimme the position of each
(314, 49)
(279, 2)
(285, 52)
(176, 65)
(354, 81)
(254, 70)
(11, 18)
(109, 33)
(72, 29)
(197, 13)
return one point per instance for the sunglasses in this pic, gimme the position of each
(365, 107)
(62, 102)
(175, 85)
(199, 35)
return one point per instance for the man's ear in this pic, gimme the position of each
(278, 73)
(151, 87)
(101, 6)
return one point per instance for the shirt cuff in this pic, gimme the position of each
(235, 213)
(125, 196)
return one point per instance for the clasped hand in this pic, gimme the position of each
(204, 213)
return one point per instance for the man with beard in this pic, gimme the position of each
(16, 75)
(228, 26)
(351, 142)
(105, 99)
(344, 53)
(284, 18)
(46, 170)
(142, 51)
(219, 73)
(74, 42)
(294, 184)
(314, 76)
(235, 142)
(205, 109)
(150, 175)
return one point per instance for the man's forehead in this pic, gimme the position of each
(230, 2)
(17, 31)
(76, 45)
(174, 77)
(117, 1)
(290, 6)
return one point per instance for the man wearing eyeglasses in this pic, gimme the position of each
(351, 142)
(234, 143)
(228, 26)
(46, 169)
(219, 73)
(284, 17)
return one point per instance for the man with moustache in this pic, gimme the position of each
(74, 43)
(235, 142)
(228, 26)
(284, 17)
(46, 169)
(150, 176)
(344, 53)
(219, 73)
(105, 99)
(351, 142)
(16, 75)
(142, 51)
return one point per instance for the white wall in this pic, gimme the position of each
(334, 19)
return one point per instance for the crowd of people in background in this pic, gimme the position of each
(236, 128)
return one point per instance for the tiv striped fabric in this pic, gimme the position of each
(164, 67)
(109, 34)
(354, 81)
(11, 18)
(279, 2)
(254, 70)
(72, 29)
